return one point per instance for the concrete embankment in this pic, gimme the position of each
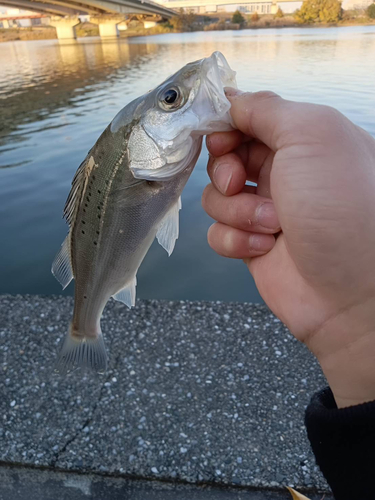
(196, 394)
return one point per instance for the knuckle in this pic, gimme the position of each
(255, 103)
(229, 244)
(331, 122)
(265, 95)
(329, 115)
(245, 211)
(206, 195)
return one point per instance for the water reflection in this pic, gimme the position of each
(55, 100)
(53, 76)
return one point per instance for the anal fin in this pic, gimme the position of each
(61, 267)
(168, 231)
(127, 294)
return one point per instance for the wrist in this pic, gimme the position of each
(350, 371)
(349, 385)
(345, 348)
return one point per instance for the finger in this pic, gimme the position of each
(245, 211)
(220, 143)
(236, 244)
(257, 159)
(227, 173)
(262, 115)
(253, 155)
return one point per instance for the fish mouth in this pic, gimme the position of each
(211, 104)
(218, 75)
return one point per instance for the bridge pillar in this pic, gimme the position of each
(107, 25)
(149, 24)
(65, 26)
(122, 26)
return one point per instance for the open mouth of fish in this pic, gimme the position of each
(218, 76)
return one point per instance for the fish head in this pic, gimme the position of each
(171, 120)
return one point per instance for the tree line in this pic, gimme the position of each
(311, 12)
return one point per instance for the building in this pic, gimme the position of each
(250, 6)
(18, 18)
(356, 4)
(247, 7)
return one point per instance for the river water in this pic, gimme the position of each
(56, 99)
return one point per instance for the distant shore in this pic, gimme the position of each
(210, 24)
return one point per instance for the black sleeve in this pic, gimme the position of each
(343, 441)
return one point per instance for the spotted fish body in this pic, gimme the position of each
(127, 191)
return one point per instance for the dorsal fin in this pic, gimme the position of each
(78, 187)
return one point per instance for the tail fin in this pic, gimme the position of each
(82, 352)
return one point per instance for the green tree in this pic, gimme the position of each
(255, 17)
(314, 11)
(279, 13)
(238, 18)
(370, 11)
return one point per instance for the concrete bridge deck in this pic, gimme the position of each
(97, 6)
(106, 13)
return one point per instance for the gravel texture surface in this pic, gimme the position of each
(195, 391)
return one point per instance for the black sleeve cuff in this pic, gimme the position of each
(343, 441)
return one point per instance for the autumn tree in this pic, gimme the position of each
(370, 11)
(315, 11)
(184, 21)
(238, 18)
(279, 13)
(255, 17)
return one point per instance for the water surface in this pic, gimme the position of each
(56, 99)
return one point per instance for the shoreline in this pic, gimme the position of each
(49, 33)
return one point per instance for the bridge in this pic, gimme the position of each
(106, 13)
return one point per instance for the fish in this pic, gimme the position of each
(127, 191)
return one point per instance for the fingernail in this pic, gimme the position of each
(266, 216)
(223, 175)
(232, 92)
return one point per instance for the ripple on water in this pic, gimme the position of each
(55, 100)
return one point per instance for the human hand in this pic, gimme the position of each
(318, 276)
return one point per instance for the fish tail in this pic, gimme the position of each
(81, 351)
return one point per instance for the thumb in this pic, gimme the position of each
(261, 115)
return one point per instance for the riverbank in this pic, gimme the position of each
(199, 393)
(44, 32)
(221, 22)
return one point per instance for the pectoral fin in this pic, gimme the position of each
(168, 231)
(61, 267)
(127, 294)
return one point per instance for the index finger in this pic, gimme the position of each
(221, 143)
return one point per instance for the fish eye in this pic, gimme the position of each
(171, 98)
